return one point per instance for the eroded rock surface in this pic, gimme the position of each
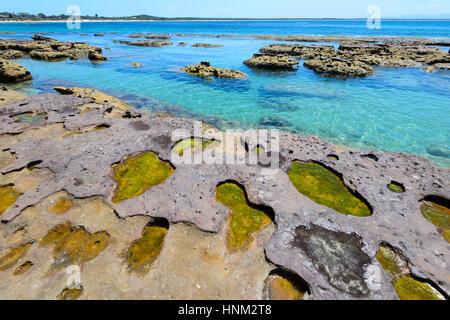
(62, 171)
(205, 70)
(271, 62)
(339, 67)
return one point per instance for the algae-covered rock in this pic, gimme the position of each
(137, 174)
(324, 187)
(11, 72)
(340, 67)
(245, 220)
(302, 52)
(205, 70)
(406, 286)
(143, 252)
(11, 54)
(436, 211)
(271, 62)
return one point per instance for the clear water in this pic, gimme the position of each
(398, 109)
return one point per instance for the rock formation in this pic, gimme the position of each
(93, 188)
(339, 67)
(11, 72)
(271, 62)
(205, 70)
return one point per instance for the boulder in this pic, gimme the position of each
(11, 72)
(271, 62)
(11, 54)
(205, 70)
(95, 56)
(340, 67)
(51, 55)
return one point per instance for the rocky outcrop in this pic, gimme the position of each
(64, 181)
(11, 72)
(271, 62)
(95, 56)
(301, 52)
(340, 67)
(49, 49)
(156, 36)
(206, 45)
(145, 43)
(205, 70)
(11, 54)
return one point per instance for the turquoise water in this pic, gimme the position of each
(396, 109)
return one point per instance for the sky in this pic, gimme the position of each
(234, 8)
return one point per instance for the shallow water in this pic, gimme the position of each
(397, 109)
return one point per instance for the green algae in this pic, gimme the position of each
(405, 285)
(438, 215)
(258, 150)
(10, 257)
(70, 294)
(325, 187)
(74, 245)
(333, 157)
(28, 117)
(284, 289)
(245, 219)
(8, 195)
(137, 174)
(181, 147)
(143, 252)
(61, 206)
(396, 187)
(23, 268)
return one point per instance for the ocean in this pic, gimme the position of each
(395, 109)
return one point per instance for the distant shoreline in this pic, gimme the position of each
(209, 20)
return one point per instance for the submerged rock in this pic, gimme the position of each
(339, 67)
(206, 45)
(205, 70)
(11, 72)
(271, 62)
(146, 43)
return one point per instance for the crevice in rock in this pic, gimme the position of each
(282, 284)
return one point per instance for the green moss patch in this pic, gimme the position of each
(143, 252)
(326, 188)
(137, 174)
(405, 285)
(396, 187)
(74, 245)
(439, 215)
(181, 147)
(8, 195)
(245, 220)
(10, 257)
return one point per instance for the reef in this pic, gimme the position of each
(271, 62)
(44, 48)
(339, 67)
(146, 43)
(97, 188)
(205, 70)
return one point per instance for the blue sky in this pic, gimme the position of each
(234, 8)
